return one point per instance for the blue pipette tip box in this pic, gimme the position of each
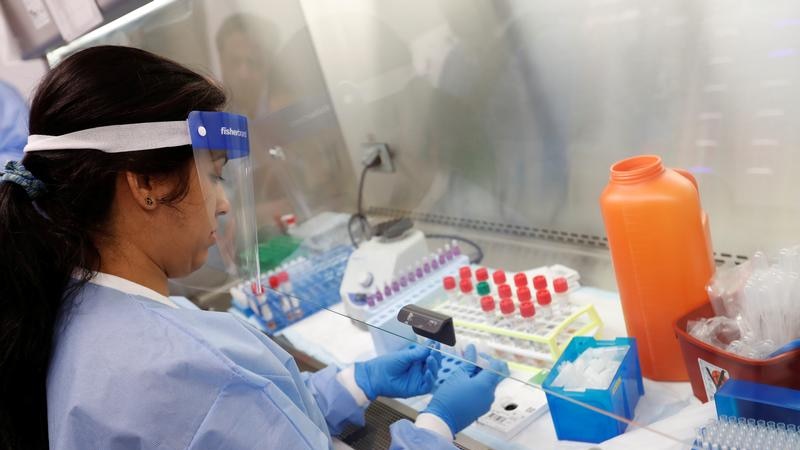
(575, 422)
(738, 398)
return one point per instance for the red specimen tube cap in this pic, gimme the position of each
(449, 283)
(543, 297)
(524, 294)
(560, 285)
(487, 303)
(466, 285)
(539, 282)
(526, 309)
(504, 291)
(274, 282)
(465, 272)
(520, 279)
(507, 306)
(499, 277)
(256, 288)
(482, 274)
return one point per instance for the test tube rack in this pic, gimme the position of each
(530, 351)
(315, 282)
(746, 434)
(388, 334)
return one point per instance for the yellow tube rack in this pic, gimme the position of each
(526, 351)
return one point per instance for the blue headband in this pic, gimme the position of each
(16, 173)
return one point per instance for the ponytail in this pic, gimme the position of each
(33, 282)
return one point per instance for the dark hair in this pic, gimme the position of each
(43, 242)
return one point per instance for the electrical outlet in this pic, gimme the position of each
(385, 163)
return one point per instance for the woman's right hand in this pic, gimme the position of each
(468, 393)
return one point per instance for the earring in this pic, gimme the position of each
(148, 201)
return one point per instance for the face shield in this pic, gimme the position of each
(222, 158)
(220, 145)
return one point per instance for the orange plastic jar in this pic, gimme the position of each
(661, 249)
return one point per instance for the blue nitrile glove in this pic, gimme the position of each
(470, 354)
(467, 395)
(406, 373)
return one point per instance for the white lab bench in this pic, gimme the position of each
(669, 410)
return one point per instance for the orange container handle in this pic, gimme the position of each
(703, 216)
(688, 175)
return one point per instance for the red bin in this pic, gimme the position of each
(709, 367)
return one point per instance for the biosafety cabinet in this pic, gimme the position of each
(493, 121)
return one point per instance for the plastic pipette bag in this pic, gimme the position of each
(759, 297)
(726, 288)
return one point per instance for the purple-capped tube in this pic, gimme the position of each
(456, 249)
(419, 272)
(371, 300)
(434, 264)
(395, 286)
(403, 281)
(426, 266)
(442, 257)
(378, 296)
(387, 291)
(412, 277)
(448, 252)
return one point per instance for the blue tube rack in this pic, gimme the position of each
(315, 285)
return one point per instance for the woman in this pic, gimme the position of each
(93, 354)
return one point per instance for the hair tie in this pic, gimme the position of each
(16, 173)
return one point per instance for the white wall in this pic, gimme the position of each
(24, 75)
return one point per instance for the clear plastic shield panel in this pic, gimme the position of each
(496, 399)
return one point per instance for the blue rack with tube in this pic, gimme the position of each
(306, 285)
(750, 400)
(388, 334)
(729, 432)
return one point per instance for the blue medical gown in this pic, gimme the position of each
(130, 373)
(13, 123)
